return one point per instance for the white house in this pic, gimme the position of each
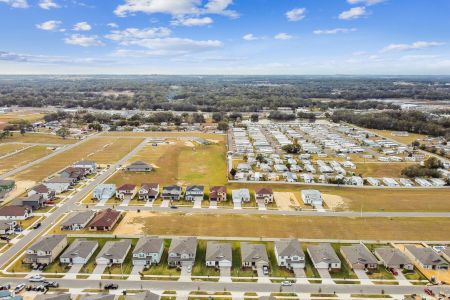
(289, 254)
(312, 197)
(148, 251)
(218, 255)
(79, 252)
(113, 252)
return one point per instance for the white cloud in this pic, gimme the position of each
(296, 14)
(353, 13)
(250, 37)
(132, 34)
(83, 40)
(192, 21)
(333, 31)
(365, 2)
(51, 25)
(414, 46)
(46, 59)
(283, 36)
(112, 25)
(48, 4)
(16, 3)
(82, 26)
(175, 7)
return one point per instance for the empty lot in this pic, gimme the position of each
(39, 138)
(392, 169)
(23, 157)
(6, 149)
(285, 226)
(169, 134)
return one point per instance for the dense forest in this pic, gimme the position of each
(214, 93)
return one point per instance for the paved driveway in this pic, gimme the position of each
(74, 270)
(363, 277)
(198, 203)
(325, 275)
(213, 204)
(300, 275)
(185, 274)
(261, 205)
(225, 274)
(261, 277)
(98, 272)
(237, 205)
(148, 204)
(165, 203)
(401, 278)
(134, 275)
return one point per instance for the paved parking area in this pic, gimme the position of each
(363, 277)
(261, 205)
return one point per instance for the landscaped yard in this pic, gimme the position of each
(200, 268)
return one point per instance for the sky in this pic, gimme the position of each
(230, 37)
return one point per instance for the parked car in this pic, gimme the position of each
(4, 238)
(51, 284)
(111, 286)
(265, 270)
(37, 225)
(286, 283)
(5, 287)
(173, 206)
(428, 292)
(393, 271)
(36, 278)
(19, 288)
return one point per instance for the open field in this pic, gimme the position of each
(371, 199)
(17, 116)
(169, 134)
(9, 148)
(23, 157)
(39, 138)
(287, 226)
(179, 162)
(393, 169)
(94, 146)
(401, 139)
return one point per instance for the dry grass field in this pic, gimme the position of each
(393, 169)
(17, 116)
(92, 149)
(401, 139)
(9, 148)
(23, 157)
(39, 138)
(179, 162)
(168, 134)
(285, 226)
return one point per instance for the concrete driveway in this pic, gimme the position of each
(363, 277)
(198, 203)
(73, 271)
(213, 204)
(98, 272)
(261, 205)
(237, 205)
(134, 275)
(185, 274)
(165, 203)
(300, 275)
(401, 278)
(261, 277)
(148, 204)
(225, 274)
(325, 275)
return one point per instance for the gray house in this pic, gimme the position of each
(79, 252)
(182, 251)
(148, 251)
(78, 220)
(218, 255)
(148, 191)
(59, 184)
(171, 192)
(426, 258)
(7, 227)
(289, 254)
(324, 257)
(104, 191)
(394, 258)
(46, 249)
(359, 257)
(90, 165)
(139, 166)
(42, 190)
(147, 295)
(35, 201)
(113, 252)
(254, 255)
(194, 192)
(98, 297)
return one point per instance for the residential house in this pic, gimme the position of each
(103, 192)
(171, 192)
(218, 254)
(147, 295)
(7, 227)
(182, 251)
(240, 195)
(359, 257)
(394, 258)
(254, 255)
(59, 184)
(126, 191)
(98, 297)
(194, 193)
(218, 194)
(57, 296)
(45, 249)
(35, 201)
(312, 197)
(89, 165)
(446, 253)
(15, 212)
(148, 251)
(426, 258)
(79, 252)
(78, 220)
(139, 166)
(289, 254)
(149, 191)
(264, 194)
(76, 174)
(113, 252)
(42, 190)
(324, 257)
(104, 220)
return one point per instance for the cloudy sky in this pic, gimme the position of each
(225, 36)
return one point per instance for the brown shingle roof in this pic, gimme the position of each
(264, 191)
(13, 210)
(105, 218)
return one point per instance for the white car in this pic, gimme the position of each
(36, 278)
(286, 283)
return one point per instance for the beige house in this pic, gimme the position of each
(46, 249)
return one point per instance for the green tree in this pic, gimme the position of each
(63, 132)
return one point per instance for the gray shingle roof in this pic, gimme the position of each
(323, 253)
(79, 218)
(218, 251)
(426, 256)
(115, 249)
(392, 256)
(80, 248)
(148, 245)
(184, 245)
(97, 297)
(147, 295)
(290, 247)
(358, 254)
(254, 253)
(47, 243)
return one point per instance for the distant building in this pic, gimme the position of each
(312, 197)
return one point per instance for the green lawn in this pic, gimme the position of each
(200, 268)
(163, 268)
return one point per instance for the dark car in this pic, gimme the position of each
(173, 206)
(37, 225)
(4, 238)
(428, 292)
(111, 286)
(5, 287)
(51, 284)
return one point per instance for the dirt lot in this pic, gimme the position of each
(286, 200)
(334, 202)
(21, 187)
(285, 226)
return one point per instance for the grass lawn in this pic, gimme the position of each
(127, 265)
(28, 222)
(345, 272)
(200, 268)
(401, 139)
(10, 147)
(23, 157)
(20, 115)
(39, 138)
(236, 268)
(381, 273)
(163, 268)
(90, 149)
(168, 134)
(304, 227)
(392, 169)
(414, 275)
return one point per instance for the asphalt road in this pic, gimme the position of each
(239, 286)
(69, 205)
